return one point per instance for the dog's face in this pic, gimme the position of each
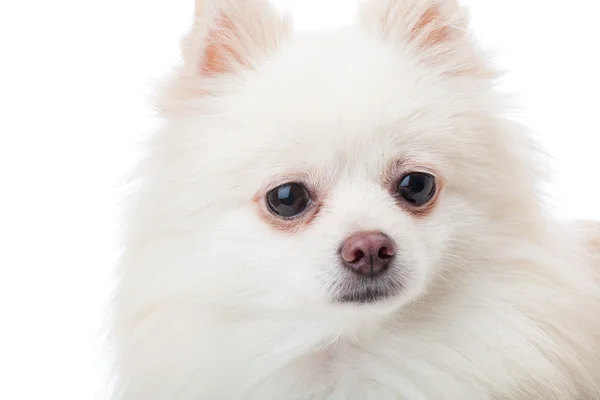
(347, 168)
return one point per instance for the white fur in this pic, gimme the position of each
(501, 301)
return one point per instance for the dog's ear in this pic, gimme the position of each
(231, 34)
(436, 30)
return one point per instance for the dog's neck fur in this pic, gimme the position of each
(356, 354)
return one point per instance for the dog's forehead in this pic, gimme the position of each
(339, 94)
(341, 78)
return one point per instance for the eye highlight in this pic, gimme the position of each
(417, 188)
(288, 200)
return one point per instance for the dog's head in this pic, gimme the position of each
(352, 168)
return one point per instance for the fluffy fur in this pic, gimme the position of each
(219, 300)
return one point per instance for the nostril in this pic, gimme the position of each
(358, 255)
(385, 253)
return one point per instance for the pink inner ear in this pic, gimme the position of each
(218, 55)
(431, 29)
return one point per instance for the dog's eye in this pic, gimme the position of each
(288, 200)
(417, 188)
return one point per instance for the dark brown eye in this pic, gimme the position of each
(288, 200)
(417, 188)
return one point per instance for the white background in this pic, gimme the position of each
(74, 80)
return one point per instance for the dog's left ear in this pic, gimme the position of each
(435, 30)
(226, 38)
(229, 35)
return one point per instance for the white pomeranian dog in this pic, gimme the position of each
(348, 214)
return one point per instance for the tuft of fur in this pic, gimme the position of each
(214, 302)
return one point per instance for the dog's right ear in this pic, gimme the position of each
(229, 35)
(435, 30)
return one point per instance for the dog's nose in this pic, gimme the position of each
(368, 253)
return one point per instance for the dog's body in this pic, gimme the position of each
(228, 292)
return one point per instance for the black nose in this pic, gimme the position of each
(368, 253)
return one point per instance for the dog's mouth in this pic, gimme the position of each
(364, 296)
(367, 291)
